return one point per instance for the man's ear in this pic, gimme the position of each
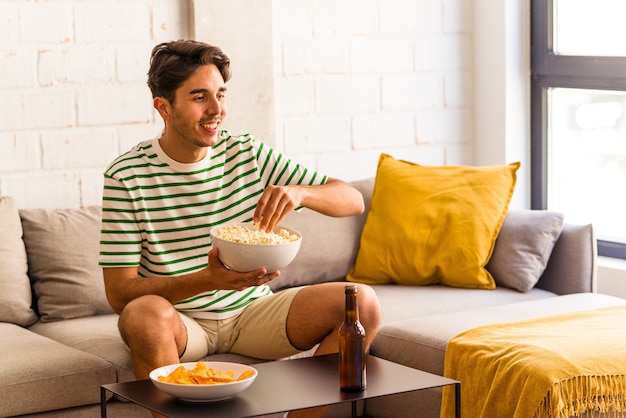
(162, 105)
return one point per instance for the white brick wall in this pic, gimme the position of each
(112, 21)
(354, 78)
(346, 80)
(74, 94)
(45, 22)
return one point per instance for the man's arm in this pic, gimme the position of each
(122, 284)
(333, 198)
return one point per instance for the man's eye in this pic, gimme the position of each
(198, 98)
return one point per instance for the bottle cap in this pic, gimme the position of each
(350, 288)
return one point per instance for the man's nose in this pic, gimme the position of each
(214, 107)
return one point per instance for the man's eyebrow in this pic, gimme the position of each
(202, 90)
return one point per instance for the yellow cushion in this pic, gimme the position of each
(433, 225)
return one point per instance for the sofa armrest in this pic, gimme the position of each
(572, 267)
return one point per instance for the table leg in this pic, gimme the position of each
(354, 415)
(103, 403)
(457, 399)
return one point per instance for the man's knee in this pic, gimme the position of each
(148, 305)
(148, 312)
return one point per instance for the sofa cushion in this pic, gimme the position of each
(523, 247)
(430, 225)
(322, 237)
(97, 335)
(15, 292)
(39, 374)
(62, 247)
(421, 342)
(403, 302)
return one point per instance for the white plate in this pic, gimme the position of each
(208, 392)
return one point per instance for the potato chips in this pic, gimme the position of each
(200, 375)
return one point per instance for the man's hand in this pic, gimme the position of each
(333, 198)
(275, 203)
(230, 279)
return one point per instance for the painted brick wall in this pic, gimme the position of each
(393, 77)
(74, 95)
(349, 79)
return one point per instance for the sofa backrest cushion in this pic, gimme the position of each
(62, 247)
(15, 293)
(573, 263)
(329, 245)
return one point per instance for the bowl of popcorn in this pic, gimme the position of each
(244, 247)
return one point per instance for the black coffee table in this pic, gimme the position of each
(283, 386)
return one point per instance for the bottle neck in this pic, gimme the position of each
(352, 309)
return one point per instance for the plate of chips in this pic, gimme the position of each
(203, 381)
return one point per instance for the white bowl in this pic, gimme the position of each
(245, 257)
(207, 392)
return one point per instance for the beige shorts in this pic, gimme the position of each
(260, 331)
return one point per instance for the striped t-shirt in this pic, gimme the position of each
(157, 213)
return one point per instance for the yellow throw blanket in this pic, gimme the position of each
(556, 366)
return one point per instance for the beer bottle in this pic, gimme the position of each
(351, 346)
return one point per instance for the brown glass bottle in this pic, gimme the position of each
(352, 346)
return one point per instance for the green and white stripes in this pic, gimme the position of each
(157, 213)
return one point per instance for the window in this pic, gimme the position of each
(578, 115)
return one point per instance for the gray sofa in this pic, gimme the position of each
(60, 340)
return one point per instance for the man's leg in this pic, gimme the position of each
(154, 333)
(316, 315)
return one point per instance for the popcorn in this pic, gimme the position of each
(245, 235)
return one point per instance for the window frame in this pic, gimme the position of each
(549, 69)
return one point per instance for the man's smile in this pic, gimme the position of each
(209, 125)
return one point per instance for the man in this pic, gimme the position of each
(176, 300)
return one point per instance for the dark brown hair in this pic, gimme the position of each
(171, 63)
